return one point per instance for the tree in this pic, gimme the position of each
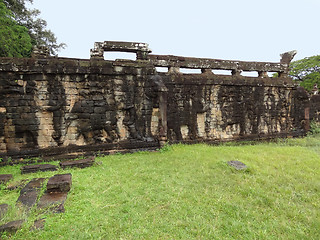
(37, 27)
(15, 40)
(306, 71)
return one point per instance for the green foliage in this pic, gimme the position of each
(167, 147)
(14, 38)
(187, 192)
(36, 27)
(306, 71)
(314, 127)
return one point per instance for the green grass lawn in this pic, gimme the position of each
(187, 192)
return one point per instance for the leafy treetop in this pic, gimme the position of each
(29, 18)
(15, 40)
(306, 71)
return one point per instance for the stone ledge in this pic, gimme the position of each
(38, 168)
(83, 163)
(73, 151)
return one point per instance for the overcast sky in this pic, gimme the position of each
(222, 29)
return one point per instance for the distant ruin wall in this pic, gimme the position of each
(315, 108)
(51, 106)
(222, 108)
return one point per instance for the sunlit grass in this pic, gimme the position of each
(188, 192)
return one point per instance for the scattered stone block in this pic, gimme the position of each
(3, 210)
(30, 193)
(38, 224)
(11, 226)
(4, 178)
(53, 201)
(59, 183)
(38, 168)
(83, 163)
(237, 165)
(58, 187)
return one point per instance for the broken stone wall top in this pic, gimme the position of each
(141, 49)
(236, 67)
(55, 65)
(175, 62)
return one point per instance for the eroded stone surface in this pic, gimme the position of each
(82, 163)
(53, 201)
(38, 168)
(29, 194)
(11, 226)
(3, 210)
(4, 178)
(59, 183)
(237, 165)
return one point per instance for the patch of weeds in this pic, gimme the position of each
(42, 190)
(17, 185)
(248, 170)
(15, 212)
(314, 128)
(99, 154)
(30, 160)
(142, 152)
(98, 163)
(239, 143)
(166, 148)
(9, 160)
(118, 154)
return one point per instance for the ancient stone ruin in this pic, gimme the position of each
(52, 200)
(52, 106)
(32, 194)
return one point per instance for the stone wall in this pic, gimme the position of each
(226, 108)
(51, 105)
(55, 105)
(315, 108)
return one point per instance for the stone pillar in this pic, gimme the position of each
(206, 71)
(163, 101)
(97, 51)
(263, 74)
(173, 69)
(142, 55)
(161, 96)
(236, 72)
(307, 119)
(40, 52)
